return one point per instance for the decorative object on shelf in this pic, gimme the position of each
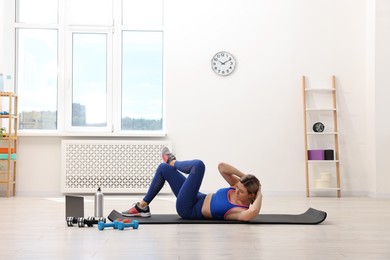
(223, 63)
(5, 150)
(5, 156)
(329, 155)
(323, 182)
(316, 154)
(3, 132)
(320, 154)
(318, 127)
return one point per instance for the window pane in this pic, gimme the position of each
(145, 12)
(90, 12)
(89, 105)
(36, 11)
(142, 80)
(37, 78)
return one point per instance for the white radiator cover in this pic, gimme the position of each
(117, 166)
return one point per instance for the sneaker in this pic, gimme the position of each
(136, 211)
(167, 156)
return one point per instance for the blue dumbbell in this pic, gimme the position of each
(102, 225)
(134, 224)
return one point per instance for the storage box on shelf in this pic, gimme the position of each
(8, 140)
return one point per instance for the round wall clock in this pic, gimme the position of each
(223, 63)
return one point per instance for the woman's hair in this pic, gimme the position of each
(251, 183)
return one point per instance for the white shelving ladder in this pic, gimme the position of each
(309, 133)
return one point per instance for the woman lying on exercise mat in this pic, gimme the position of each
(242, 201)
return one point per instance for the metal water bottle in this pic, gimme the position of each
(99, 203)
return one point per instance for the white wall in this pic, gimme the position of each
(382, 104)
(370, 90)
(254, 117)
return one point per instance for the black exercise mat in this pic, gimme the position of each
(310, 217)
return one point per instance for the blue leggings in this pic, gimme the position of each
(189, 200)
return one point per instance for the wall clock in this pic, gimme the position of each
(223, 63)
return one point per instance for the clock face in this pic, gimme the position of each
(223, 63)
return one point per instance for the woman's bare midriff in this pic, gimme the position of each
(206, 212)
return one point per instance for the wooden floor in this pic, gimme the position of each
(356, 228)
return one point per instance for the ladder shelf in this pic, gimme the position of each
(321, 156)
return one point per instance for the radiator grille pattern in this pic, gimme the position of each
(116, 166)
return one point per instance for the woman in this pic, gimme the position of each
(242, 201)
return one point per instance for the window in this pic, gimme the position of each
(89, 12)
(87, 74)
(89, 80)
(27, 11)
(144, 13)
(142, 80)
(37, 78)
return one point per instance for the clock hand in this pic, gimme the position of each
(226, 61)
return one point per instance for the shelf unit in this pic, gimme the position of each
(328, 110)
(8, 140)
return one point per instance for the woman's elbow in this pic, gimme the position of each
(248, 216)
(221, 166)
(245, 219)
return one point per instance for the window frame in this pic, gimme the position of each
(69, 83)
(114, 75)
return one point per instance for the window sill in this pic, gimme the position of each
(147, 134)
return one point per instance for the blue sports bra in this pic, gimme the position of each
(220, 204)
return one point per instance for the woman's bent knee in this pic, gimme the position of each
(163, 167)
(199, 165)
